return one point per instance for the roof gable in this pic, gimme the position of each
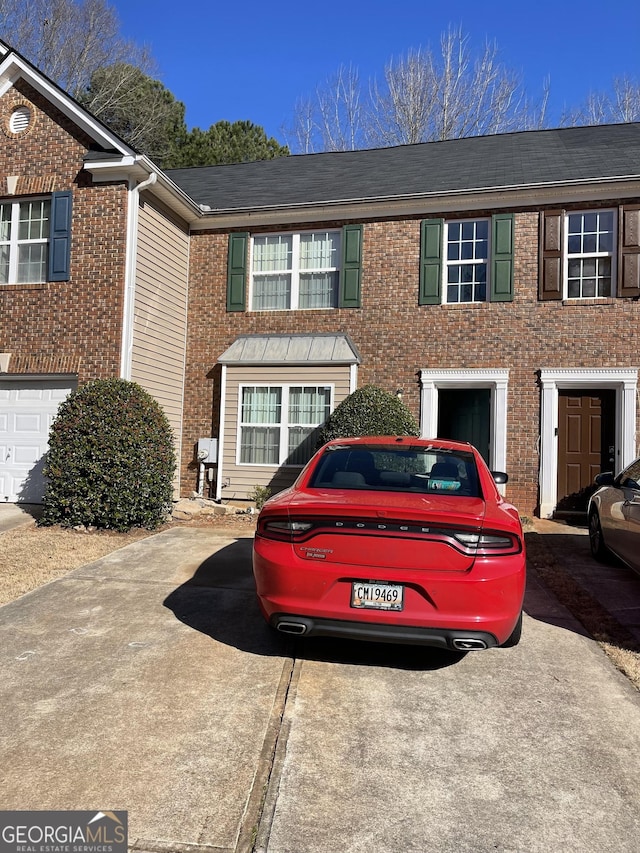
(14, 67)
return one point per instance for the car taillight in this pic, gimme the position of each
(286, 529)
(486, 544)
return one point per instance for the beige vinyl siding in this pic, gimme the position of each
(160, 312)
(242, 479)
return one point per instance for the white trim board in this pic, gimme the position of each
(495, 379)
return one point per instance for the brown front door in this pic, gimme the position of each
(586, 429)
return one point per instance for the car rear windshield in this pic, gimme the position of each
(391, 468)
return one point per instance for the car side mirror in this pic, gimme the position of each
(500, 477)
(604, 479)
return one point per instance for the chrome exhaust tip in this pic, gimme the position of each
(467, 644)
(291, 627)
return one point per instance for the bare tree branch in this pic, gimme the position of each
(138, 108)
(301, 137)
(69, 39)
(627, 99)
(340, 115)
(423, 96)
(402, 108)
(331, 120)
(619, 105)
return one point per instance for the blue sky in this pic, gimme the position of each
(254, 60)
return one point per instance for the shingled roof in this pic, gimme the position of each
(526, 159)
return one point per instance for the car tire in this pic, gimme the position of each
(596, 540)
(515, 636)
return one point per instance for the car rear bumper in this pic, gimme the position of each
(374, 632)
(439, 607)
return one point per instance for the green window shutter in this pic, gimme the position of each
(430, 261)
(351, 269)
(237, 271)
(502, 257)
(59, 265)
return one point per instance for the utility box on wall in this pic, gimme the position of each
(208, 450)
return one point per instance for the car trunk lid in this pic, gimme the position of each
(434, 532)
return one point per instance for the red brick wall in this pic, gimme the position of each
(397, 338)
(73, 326)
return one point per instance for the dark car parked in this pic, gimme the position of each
(614, 516)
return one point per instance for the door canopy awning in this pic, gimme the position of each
(291, 349)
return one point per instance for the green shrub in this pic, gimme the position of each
(369, 411)
(111, 459)
(260, 495)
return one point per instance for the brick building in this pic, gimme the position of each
(93, 268)
(492, 281)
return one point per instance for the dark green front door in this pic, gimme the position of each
(464, 414)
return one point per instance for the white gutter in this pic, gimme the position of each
(400, 197)
(557, 192)
(130, 273)
(138, 167)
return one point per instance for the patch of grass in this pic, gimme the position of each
(31, 556)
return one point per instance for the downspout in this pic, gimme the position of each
(130, 274)
(353, 378)
(223, 406)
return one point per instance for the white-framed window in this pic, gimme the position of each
(590, 255)
(278, 422)
(24, 241)
(295, 271)
(467, 260)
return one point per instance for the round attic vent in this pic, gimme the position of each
(20, 119)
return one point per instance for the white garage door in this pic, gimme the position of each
(27, 410)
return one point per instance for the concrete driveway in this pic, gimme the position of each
(148, 682)
(15, 515)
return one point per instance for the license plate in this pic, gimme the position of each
(377, 596)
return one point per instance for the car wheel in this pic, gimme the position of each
(596, 539)
(516, 634)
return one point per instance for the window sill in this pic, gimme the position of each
(287, 310)
(275, 466)
(592, 300)
(33, 286)
(459, 306)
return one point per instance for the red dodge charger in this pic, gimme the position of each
(393, 539)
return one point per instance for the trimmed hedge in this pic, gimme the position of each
(111, 459)
(369, 411)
